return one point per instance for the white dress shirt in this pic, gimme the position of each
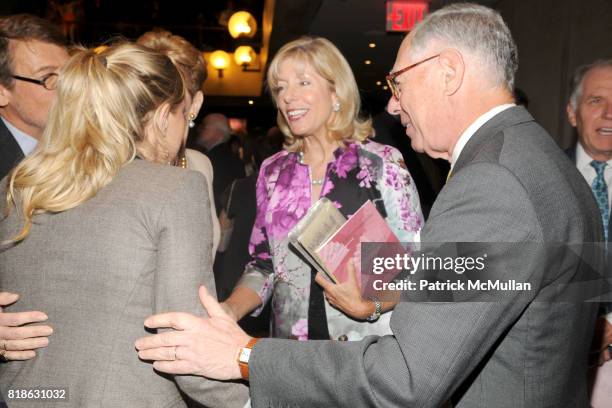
(583, 162)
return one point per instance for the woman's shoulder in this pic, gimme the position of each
(276, 161)
(153, 179)
(379, 149)
(389, 155)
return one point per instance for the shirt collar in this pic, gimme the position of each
(26, 142)
(471, 130)
(583, 160)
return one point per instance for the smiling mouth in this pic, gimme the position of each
(605, 131)
(296, 114)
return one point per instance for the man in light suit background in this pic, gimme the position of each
(32, 51)
(589, 110)
(452, 84)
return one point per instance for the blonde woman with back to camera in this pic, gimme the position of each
(99, 239)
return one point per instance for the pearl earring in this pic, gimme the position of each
(191, 122)
(337, 107)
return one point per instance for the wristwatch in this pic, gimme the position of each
(243, 358)
(377, 310)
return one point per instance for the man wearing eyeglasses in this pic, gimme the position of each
(32, 51)
(452, 86)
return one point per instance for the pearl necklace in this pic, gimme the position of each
(317, 182)
(314, 182)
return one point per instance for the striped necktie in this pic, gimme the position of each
(600, 189)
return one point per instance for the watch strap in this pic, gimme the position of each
(244, 365)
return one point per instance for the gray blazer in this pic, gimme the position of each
(142, 245)
(511, 184)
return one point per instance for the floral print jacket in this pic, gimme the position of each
(359, 172)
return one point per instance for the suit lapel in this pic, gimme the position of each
(10, 152)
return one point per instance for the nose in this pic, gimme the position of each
(289, 94)
(608, 110)
(393, 107)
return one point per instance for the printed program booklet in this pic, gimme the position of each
(328, 241)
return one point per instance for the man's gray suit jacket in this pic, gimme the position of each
(511, 183)
(141, 245)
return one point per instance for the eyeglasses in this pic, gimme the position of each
(394, 86)
(49, 81)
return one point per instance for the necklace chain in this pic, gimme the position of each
(314, 182)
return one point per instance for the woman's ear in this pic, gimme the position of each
(196, 104)
(161, 118)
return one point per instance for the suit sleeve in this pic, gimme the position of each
(184, 261)
(434, 346)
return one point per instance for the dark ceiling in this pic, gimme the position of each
(350, 24)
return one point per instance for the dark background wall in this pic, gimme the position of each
(554, 37)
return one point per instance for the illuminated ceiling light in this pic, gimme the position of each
(385, 87)
(242, 24)
(379, 83)
(244, 55)
(220, 60)
(251, 102)
(367, 62)
(372, 45)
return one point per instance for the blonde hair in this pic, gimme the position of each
(96, 125)
(330, 64)
(189, 61)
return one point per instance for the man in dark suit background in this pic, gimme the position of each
(213, 136)
(452, 84)
(589, 110)
(32, 51)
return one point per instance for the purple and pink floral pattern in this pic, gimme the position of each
(359, 172)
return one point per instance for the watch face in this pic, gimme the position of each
(245, 353)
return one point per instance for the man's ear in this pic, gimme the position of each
(5, 96)
(453, 69)
(571, 114)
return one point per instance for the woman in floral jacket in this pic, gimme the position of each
(327, 154)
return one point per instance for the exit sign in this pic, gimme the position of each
(402, 15)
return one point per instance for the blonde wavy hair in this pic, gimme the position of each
(96, 125)
(330, 64)
(188, 59)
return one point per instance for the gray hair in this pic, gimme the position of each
(578, 78)
(219, 122)
(475, 29)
